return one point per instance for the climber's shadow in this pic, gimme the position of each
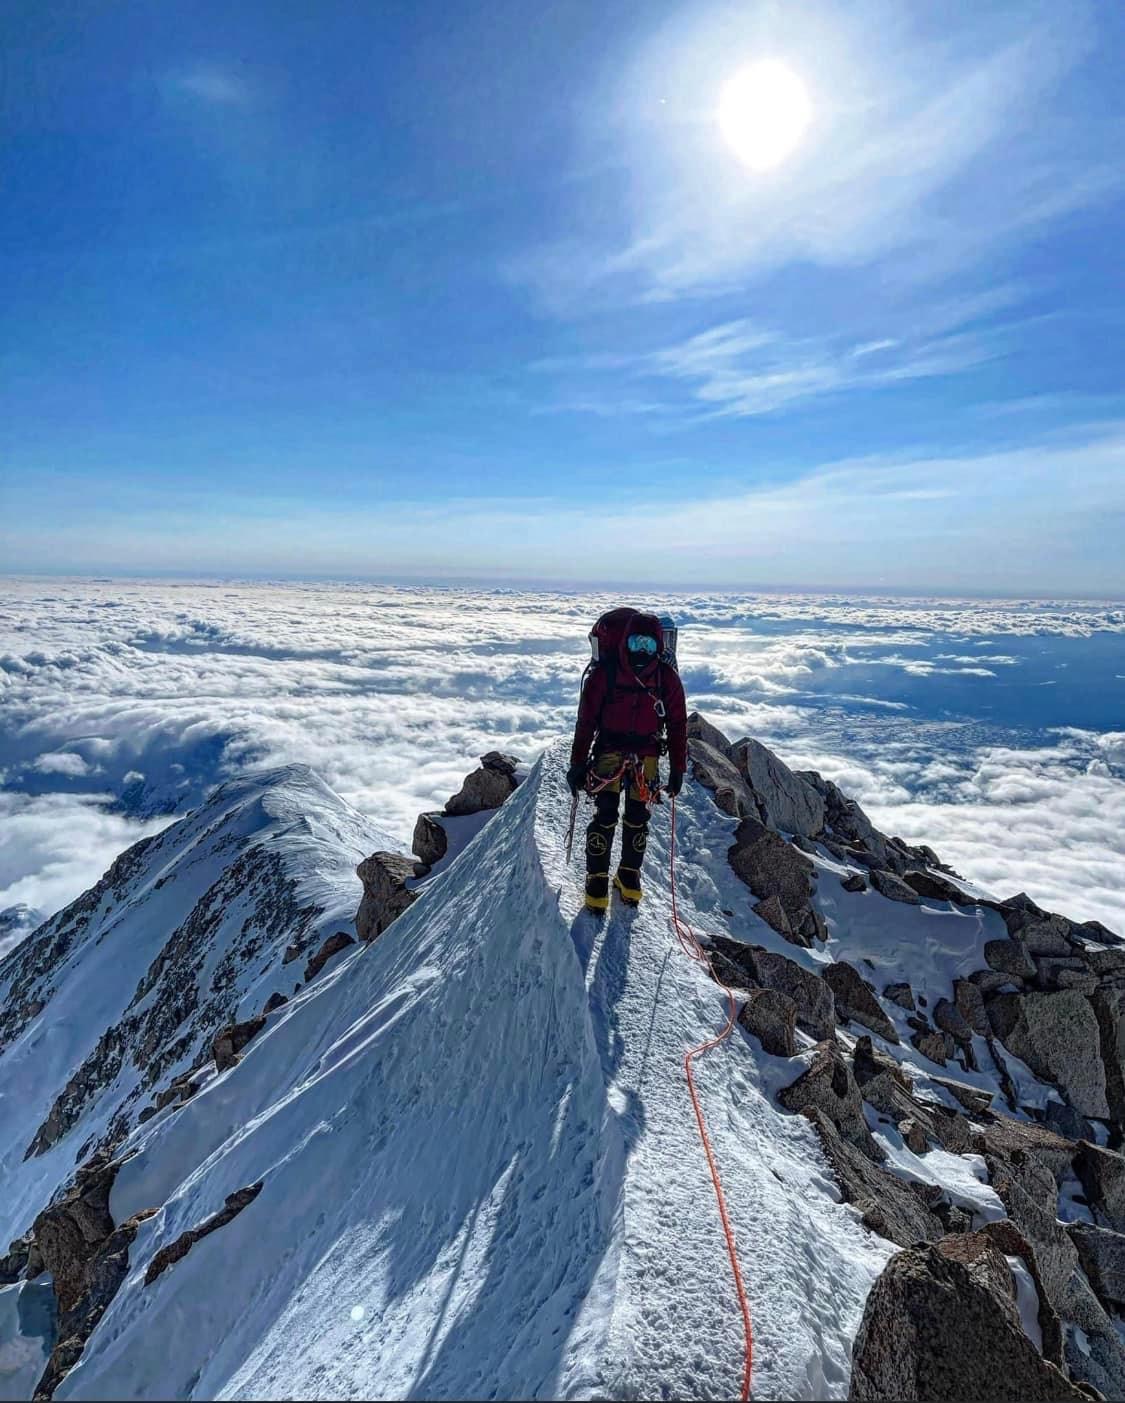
(603, 950)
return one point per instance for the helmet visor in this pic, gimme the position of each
(642, 643)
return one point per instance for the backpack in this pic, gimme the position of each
(612, 628)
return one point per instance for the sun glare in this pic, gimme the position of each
(764, 111)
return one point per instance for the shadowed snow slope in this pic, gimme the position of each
(481, 1173)
(122, 991)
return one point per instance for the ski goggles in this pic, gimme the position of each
(641, 643)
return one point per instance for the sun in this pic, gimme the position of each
(764, 111)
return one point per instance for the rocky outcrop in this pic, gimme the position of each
(1009, 957)
(714, 770)
(900, 994)
(230, 1042)
(1108, 1004)
(699, 728)
(340, 940)
(1102, 1254)
(385, 893)
(771, 1017)
(829, 1086)
(14, 1262)
(893, 888)
(1008, 1139)
(174, 1251)
(772, 867)
(856, 1001)
(750, 966)
(934, 887)
(1057, 1035)
(88, 1258)
(784, 800)
(1029, 1192)
(71, 1231)
(854, 882)
(1102, 1175)
(970, 1005)
(938, 1329)
(486, 787)
(887, 1205)
(430, 841)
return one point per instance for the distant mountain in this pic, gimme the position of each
(456, 1157)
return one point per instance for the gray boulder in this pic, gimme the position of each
(485, 788)
(430, 841)
(785, 801)
(901, 994)
(230, 1041)
(716, 772)
(1009, 957)
(771, 1016)
(748, 966)
(933, 886)
(854, 882)
(1108, 1004)
(1102, 1254)
(887, 1205)
(951, 1020)
(856, 1001)
(931, 1044)
(970, 1005)
(1102, 1175)
(829, 1086)
(770, 867)
(699, 728)
(340, 940)
(385, 893)
(935, 1330)
(974, 1100)
(894, 888)
(1057, 1035)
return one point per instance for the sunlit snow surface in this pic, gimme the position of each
(990, 729)
(482, 1174)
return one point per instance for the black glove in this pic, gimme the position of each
(576, 777)
(675, 783)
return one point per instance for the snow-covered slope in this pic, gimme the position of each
(123, 991)
(466, 1158)
(481, 1175)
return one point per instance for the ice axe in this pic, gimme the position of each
(571, 824)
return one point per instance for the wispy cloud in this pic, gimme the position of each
(929, 147)
(739, 368)
(215, 86)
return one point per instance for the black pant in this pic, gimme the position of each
(600, 831)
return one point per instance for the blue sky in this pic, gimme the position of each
(481, 291)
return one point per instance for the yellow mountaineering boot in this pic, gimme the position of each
(597, 892)
(628, 886)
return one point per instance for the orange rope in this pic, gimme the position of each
(692, 948)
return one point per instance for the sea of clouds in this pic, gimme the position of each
(985, 728)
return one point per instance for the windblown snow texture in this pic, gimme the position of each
(481, 1173)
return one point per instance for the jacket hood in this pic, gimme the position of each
(647, 624)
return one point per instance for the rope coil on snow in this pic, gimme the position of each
(691, 947)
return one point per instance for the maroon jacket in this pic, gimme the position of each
(624, 717)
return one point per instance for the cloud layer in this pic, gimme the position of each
(943, 717)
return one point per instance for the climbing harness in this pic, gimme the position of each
(633, 766)
(691, 947)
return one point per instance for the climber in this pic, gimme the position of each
(631, 696)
